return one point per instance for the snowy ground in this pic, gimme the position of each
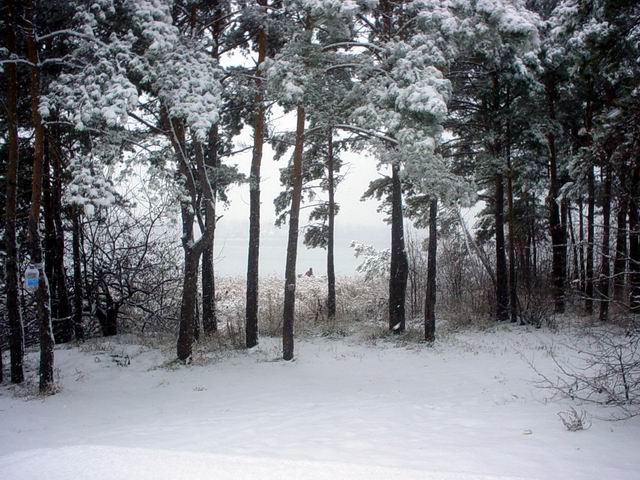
(464, 409)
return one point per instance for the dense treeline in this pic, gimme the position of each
(527, 110)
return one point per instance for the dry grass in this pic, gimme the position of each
(357, 302)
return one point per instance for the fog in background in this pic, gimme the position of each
(356, 220)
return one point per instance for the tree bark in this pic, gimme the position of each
(634, 257)
(187, 305)
(16, 329)
(534, 245)
(574, 248)
(209, 320)
(399, 270)
(192, 250)
(292, 244)
(189, 287)
(42, 293)
(108, 317)
(49, 241)
(190, 275)
(253, 260)
(196, 314)
(430, 293)
(77, 275)
(620, 262)
(331, 274)
(634, 242)
(564, 215)
(208, 227)
(591, 201)
(513, 285)
(605, 267)
(581, 247)
(555, 225)
(588, 305)
(525, 259)
(65, 324)
(189, 209)
(502, 279)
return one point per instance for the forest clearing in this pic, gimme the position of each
(465, 172)
(470, 407)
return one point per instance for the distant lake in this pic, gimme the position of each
(232, 242)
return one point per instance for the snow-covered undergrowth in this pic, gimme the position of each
(466, 408)
(357, 301)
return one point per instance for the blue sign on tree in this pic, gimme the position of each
(31, 278)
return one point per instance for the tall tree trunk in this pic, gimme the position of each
(574, 248)
(525, 261)
(331, 274)
(620, 262)
(188, 302)
(555, 224)
(251, 314)
(212, 159)
(399, 270)
(588, 306)
(430, 293)
(189, 280)
(196, 309)
(188, 210)
(581, 247)
(16, 329)
(292, 244)
(108, 316)
(525, 248)
(65, 323)
(605, 267)
(88, 290)
(564, 215)
(634, 241)
(49, 241)
(192, 250)
(502, 279)
(78, 329)
(209, 320)
(513, 281)
(42, 294)
(634, 257)
(199, 193)
(534, 244)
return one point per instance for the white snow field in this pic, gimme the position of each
(464, 409)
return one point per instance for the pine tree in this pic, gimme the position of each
(43, 305)
(253, 264)
(493, 65)
(291, 77)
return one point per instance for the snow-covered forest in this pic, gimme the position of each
(502, 340)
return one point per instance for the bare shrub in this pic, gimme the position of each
(536, 308)
(465, 288)
(575, 420)
(603, 369)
